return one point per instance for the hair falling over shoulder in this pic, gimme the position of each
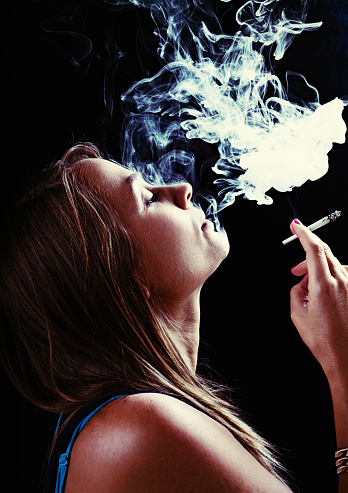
(76, 325)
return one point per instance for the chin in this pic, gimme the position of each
(223, 244)
(221, 250)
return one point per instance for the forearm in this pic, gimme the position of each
(343, 483)
(339, 392)
(319, 310)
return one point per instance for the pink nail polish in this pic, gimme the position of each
(297, 221)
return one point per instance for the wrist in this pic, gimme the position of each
(338, 383)
(336, 372)
(339, 394)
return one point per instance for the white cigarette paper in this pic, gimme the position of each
(318, 224)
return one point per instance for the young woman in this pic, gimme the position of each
(100, 282)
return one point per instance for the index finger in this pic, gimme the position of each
(317, 263)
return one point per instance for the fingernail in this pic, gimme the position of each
(297, 221)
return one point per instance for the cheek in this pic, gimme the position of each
(175, 257)
(166, 256)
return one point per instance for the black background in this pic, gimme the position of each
(50, 102)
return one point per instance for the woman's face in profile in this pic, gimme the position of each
(177, 247)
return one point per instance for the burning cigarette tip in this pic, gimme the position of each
(335, 215)
(318, 224)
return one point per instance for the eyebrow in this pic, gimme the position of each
(131, 178)
(129, 182)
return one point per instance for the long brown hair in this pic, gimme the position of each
(77, 326)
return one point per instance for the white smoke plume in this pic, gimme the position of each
(219, 88)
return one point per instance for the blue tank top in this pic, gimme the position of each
(57, 468)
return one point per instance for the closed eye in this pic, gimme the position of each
(154, 198)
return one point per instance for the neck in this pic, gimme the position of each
(184, 332)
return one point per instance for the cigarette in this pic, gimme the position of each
(318, 224)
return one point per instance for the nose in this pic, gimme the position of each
(181, 194)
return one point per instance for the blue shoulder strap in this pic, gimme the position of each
(64, 458)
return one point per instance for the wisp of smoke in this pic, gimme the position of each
(218, 88)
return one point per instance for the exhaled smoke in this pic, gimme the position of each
(218, 88)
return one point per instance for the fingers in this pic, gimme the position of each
(300, 269)
(320, 262)
(337, 268)
(299, 298)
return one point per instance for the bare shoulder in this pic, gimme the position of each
(154, 443)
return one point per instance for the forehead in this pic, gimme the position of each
(103, 172)
(112, 181)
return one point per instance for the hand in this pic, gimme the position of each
(301, 269)
(319, 304)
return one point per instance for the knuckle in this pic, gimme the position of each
(293, 291)
(320, 249)
(342, 285)
(341, 280)
(326, 288)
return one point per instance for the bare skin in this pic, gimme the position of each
(177, 247)
(155, 443)
(158, 444)
(319, 309)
